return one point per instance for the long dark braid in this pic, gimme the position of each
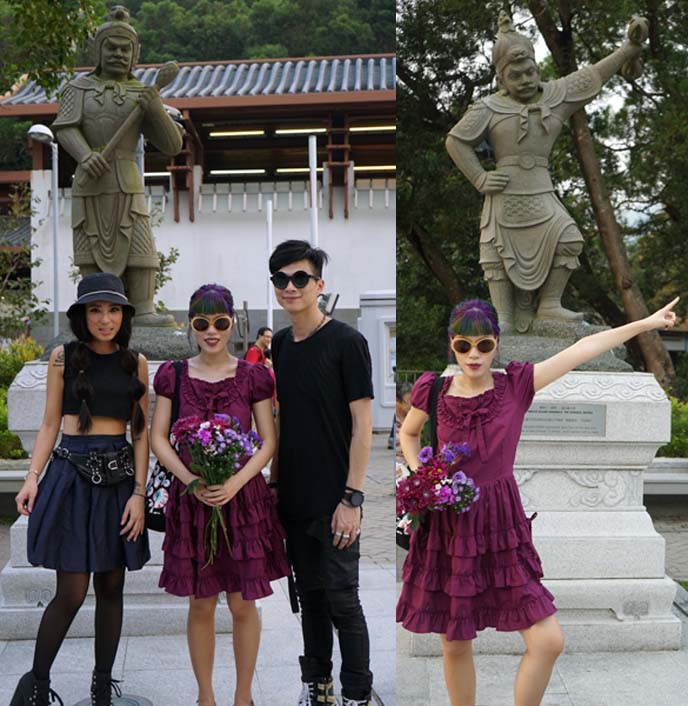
(128, 359)
(83, 390)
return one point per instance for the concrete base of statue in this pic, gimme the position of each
(586, 442)
(155, 342)
(25, 590)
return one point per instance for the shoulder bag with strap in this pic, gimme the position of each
(157, 487)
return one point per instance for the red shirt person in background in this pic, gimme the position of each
(256, 352)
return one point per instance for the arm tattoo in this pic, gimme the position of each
(137, 485)
(59, 360)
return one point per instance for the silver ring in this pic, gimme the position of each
(339, 533)
(346, 536)
(358, 531)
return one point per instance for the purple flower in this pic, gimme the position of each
(459, 477)
(223, 417)
(425, 454)
(445, 496)
(205, 437)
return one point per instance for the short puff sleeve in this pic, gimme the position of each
(163, 382)
(261, 384)
(420, 394)
(520, 382)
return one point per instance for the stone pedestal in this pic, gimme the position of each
(580, 462)
(26, 590)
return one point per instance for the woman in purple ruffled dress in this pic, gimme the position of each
(216, 382)
(465, 572)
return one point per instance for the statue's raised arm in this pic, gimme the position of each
(529, 244)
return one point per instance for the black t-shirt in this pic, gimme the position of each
(317, 378)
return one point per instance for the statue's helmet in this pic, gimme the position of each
(117, 25)
(510, 45)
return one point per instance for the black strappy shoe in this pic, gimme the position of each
(34, 692)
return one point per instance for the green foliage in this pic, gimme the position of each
(10, 444)
(41, 38)
(210, 30)
(18, 303)
(678, 446)
(14, 355)
(14, 144)
(641, 138)
(164, 273)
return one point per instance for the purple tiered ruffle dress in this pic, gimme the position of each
(255, 533)
(465, 572)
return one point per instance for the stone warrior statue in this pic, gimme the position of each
(110, 221)
(529, 244)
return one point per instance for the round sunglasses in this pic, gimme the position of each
(463, 345)
(202, 323)
(299, 279)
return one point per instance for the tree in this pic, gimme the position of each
(640, 140)
(40, 39)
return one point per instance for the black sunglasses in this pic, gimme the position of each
(299, 279)
(463, 345)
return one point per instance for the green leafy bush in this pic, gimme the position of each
(678, 446)
(10, 446)
(13, 357)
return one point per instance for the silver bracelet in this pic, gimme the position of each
(30, 471)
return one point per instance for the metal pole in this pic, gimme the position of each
(312, 165)
(268, 217)
(56, 228)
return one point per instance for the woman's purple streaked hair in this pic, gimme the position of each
(473, 317)
(211, 299)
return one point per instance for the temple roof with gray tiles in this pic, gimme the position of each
(278, 77)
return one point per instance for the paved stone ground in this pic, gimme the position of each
(159, 667)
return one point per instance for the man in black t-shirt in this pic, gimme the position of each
(324, 390)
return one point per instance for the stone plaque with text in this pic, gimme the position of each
(561, 419)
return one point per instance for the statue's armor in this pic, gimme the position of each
(525, 230)
(109, 216)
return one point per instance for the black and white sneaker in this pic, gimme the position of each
(317, 693)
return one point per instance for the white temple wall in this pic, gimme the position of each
(227, 242)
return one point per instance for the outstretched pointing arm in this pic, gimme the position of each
(590, 347)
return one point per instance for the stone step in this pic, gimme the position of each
(147, 618)
(580, 636)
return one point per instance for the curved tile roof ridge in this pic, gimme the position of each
(254, 77)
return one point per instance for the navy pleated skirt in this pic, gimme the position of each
(75, 525)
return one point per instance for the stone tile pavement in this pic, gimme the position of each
(158, 667)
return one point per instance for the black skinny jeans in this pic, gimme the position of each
(321, 609)
(327, 586)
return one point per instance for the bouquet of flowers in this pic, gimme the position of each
(218, 448)
(435, 486)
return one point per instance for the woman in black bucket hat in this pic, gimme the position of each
(87, 515)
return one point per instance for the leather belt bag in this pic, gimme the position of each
(101, 468)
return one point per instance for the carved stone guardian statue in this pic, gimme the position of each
(99, 122)
(529, 244)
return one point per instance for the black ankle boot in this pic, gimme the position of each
(102, 686)
(34, 692)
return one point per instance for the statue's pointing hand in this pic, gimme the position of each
(638, 30)
(95, 165)
(492, 182)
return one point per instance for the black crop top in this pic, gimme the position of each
(110, 382)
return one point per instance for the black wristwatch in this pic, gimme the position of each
(353, 497)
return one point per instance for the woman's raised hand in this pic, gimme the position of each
(663, 318)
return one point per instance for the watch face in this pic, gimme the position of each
(356, 498)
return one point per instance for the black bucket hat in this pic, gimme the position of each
(100, 287)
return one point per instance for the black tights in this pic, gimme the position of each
(70, 592)
(320, 610)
